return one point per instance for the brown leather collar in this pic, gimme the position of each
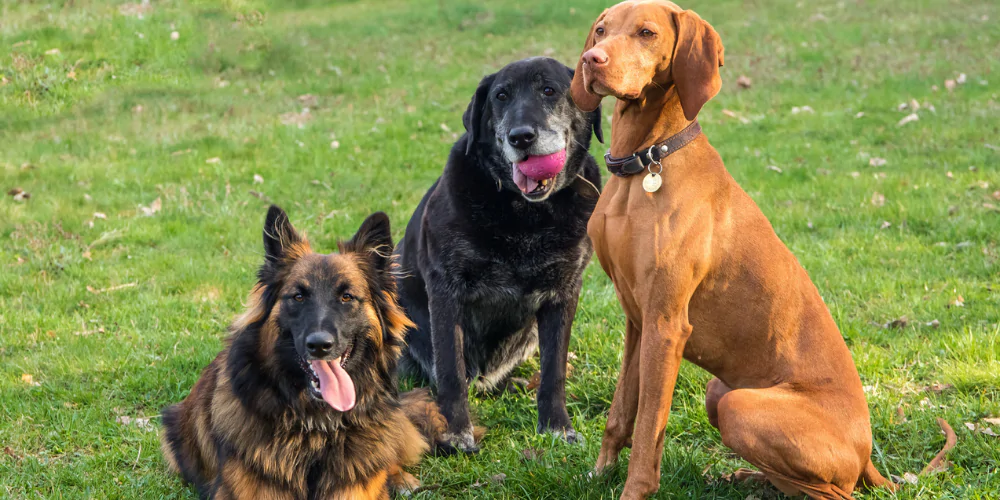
(638, 162)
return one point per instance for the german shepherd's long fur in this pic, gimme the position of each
(255, 424)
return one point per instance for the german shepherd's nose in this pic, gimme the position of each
(522, 137)
(319, 344)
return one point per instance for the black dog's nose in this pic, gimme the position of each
(319, 344)
(522, 137)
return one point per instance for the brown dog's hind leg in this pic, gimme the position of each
(798, 445)
(621, 417)
(714, 391)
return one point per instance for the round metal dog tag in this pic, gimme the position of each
(651, 183)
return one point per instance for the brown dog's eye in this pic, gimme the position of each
(646, 33)
(599, 31)
(299, 297)
(548, 91)
(346, 297)
(501, 96)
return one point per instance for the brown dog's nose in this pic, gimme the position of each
(596, 56)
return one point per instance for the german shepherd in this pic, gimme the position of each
(302, 402)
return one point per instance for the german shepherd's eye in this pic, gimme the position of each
(599, 31)
(645, 33)
(346, 297)
(548, 91)
(298, 297)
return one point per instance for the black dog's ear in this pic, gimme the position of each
(373, 240)
(477, 116)
(598, 128)
(281, 244)
(595, 115)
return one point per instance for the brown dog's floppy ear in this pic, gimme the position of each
(477, 116)
(583, 98)
(697, 58)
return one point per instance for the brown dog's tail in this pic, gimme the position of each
(871, 478)
(423, 412)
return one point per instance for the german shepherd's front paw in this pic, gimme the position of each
(454, 442)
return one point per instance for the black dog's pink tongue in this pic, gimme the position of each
(335, 384)
(529, 172)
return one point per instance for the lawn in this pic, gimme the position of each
(151, 139)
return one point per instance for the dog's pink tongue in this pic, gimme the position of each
(529, 172)
(335, 384)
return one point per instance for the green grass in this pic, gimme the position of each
(122, 115)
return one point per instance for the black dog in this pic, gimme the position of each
(493, 256)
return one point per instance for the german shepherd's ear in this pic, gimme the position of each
(695, 65)
(476, 118)
(282, 244)
(595, 115)
(373, 241)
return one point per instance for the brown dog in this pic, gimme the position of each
(701, 275)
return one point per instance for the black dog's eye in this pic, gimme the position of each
(501, 96)
(599, 31)
(548, 91)
(646, 33)
(298, 297)
(346, 297)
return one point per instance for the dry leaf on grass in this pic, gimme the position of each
(135, 9)
(878, 199)
(992, 420)
(28, 379)
(140, 422)
(875, 161)
(885, 225)
(257, 179)
(19, 194)
(52, 52)
(950, 85)
(899, 323)
(98, 291)
(10, 453)
(152, 209)
(912, 117)
(308, 100)
(535, 381)
(957, 302)
(531, 454)
(938, 387)
(733, 114)
(744, 82)
(774, 168)
(175, 35)
(298, 119)
(802, 109)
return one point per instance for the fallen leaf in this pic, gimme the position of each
(135, 9)
(933, 323)
(971, 426)
(899, 323)
(878, 199)
(213, 160)
(530, 454)
(499, 478)
(259, 195)
(803, 109)
(334, 144)
(744, 82)
(175, 35)
(308, 100)
(535, 381)
(912, 117)
(257, 179)
(938, 387)
(774, 168)
(140, 422)
(445, 127)
(71, 75)
(860, 114)
(910, 478)
(886, 224)
(990, 206)
(958, 302)
(10, 453)
(992, 420)
(961, 79)
(98, 291)
(52, 52)
(28, 379)
(876, 161)
(152, 209)
(86, 254)
(298, 119)
(950, 85)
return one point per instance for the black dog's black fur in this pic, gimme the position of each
(488, 272)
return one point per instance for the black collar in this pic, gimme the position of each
(637, 162)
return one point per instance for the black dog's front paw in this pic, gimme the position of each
(560, 427)
(455, 442)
